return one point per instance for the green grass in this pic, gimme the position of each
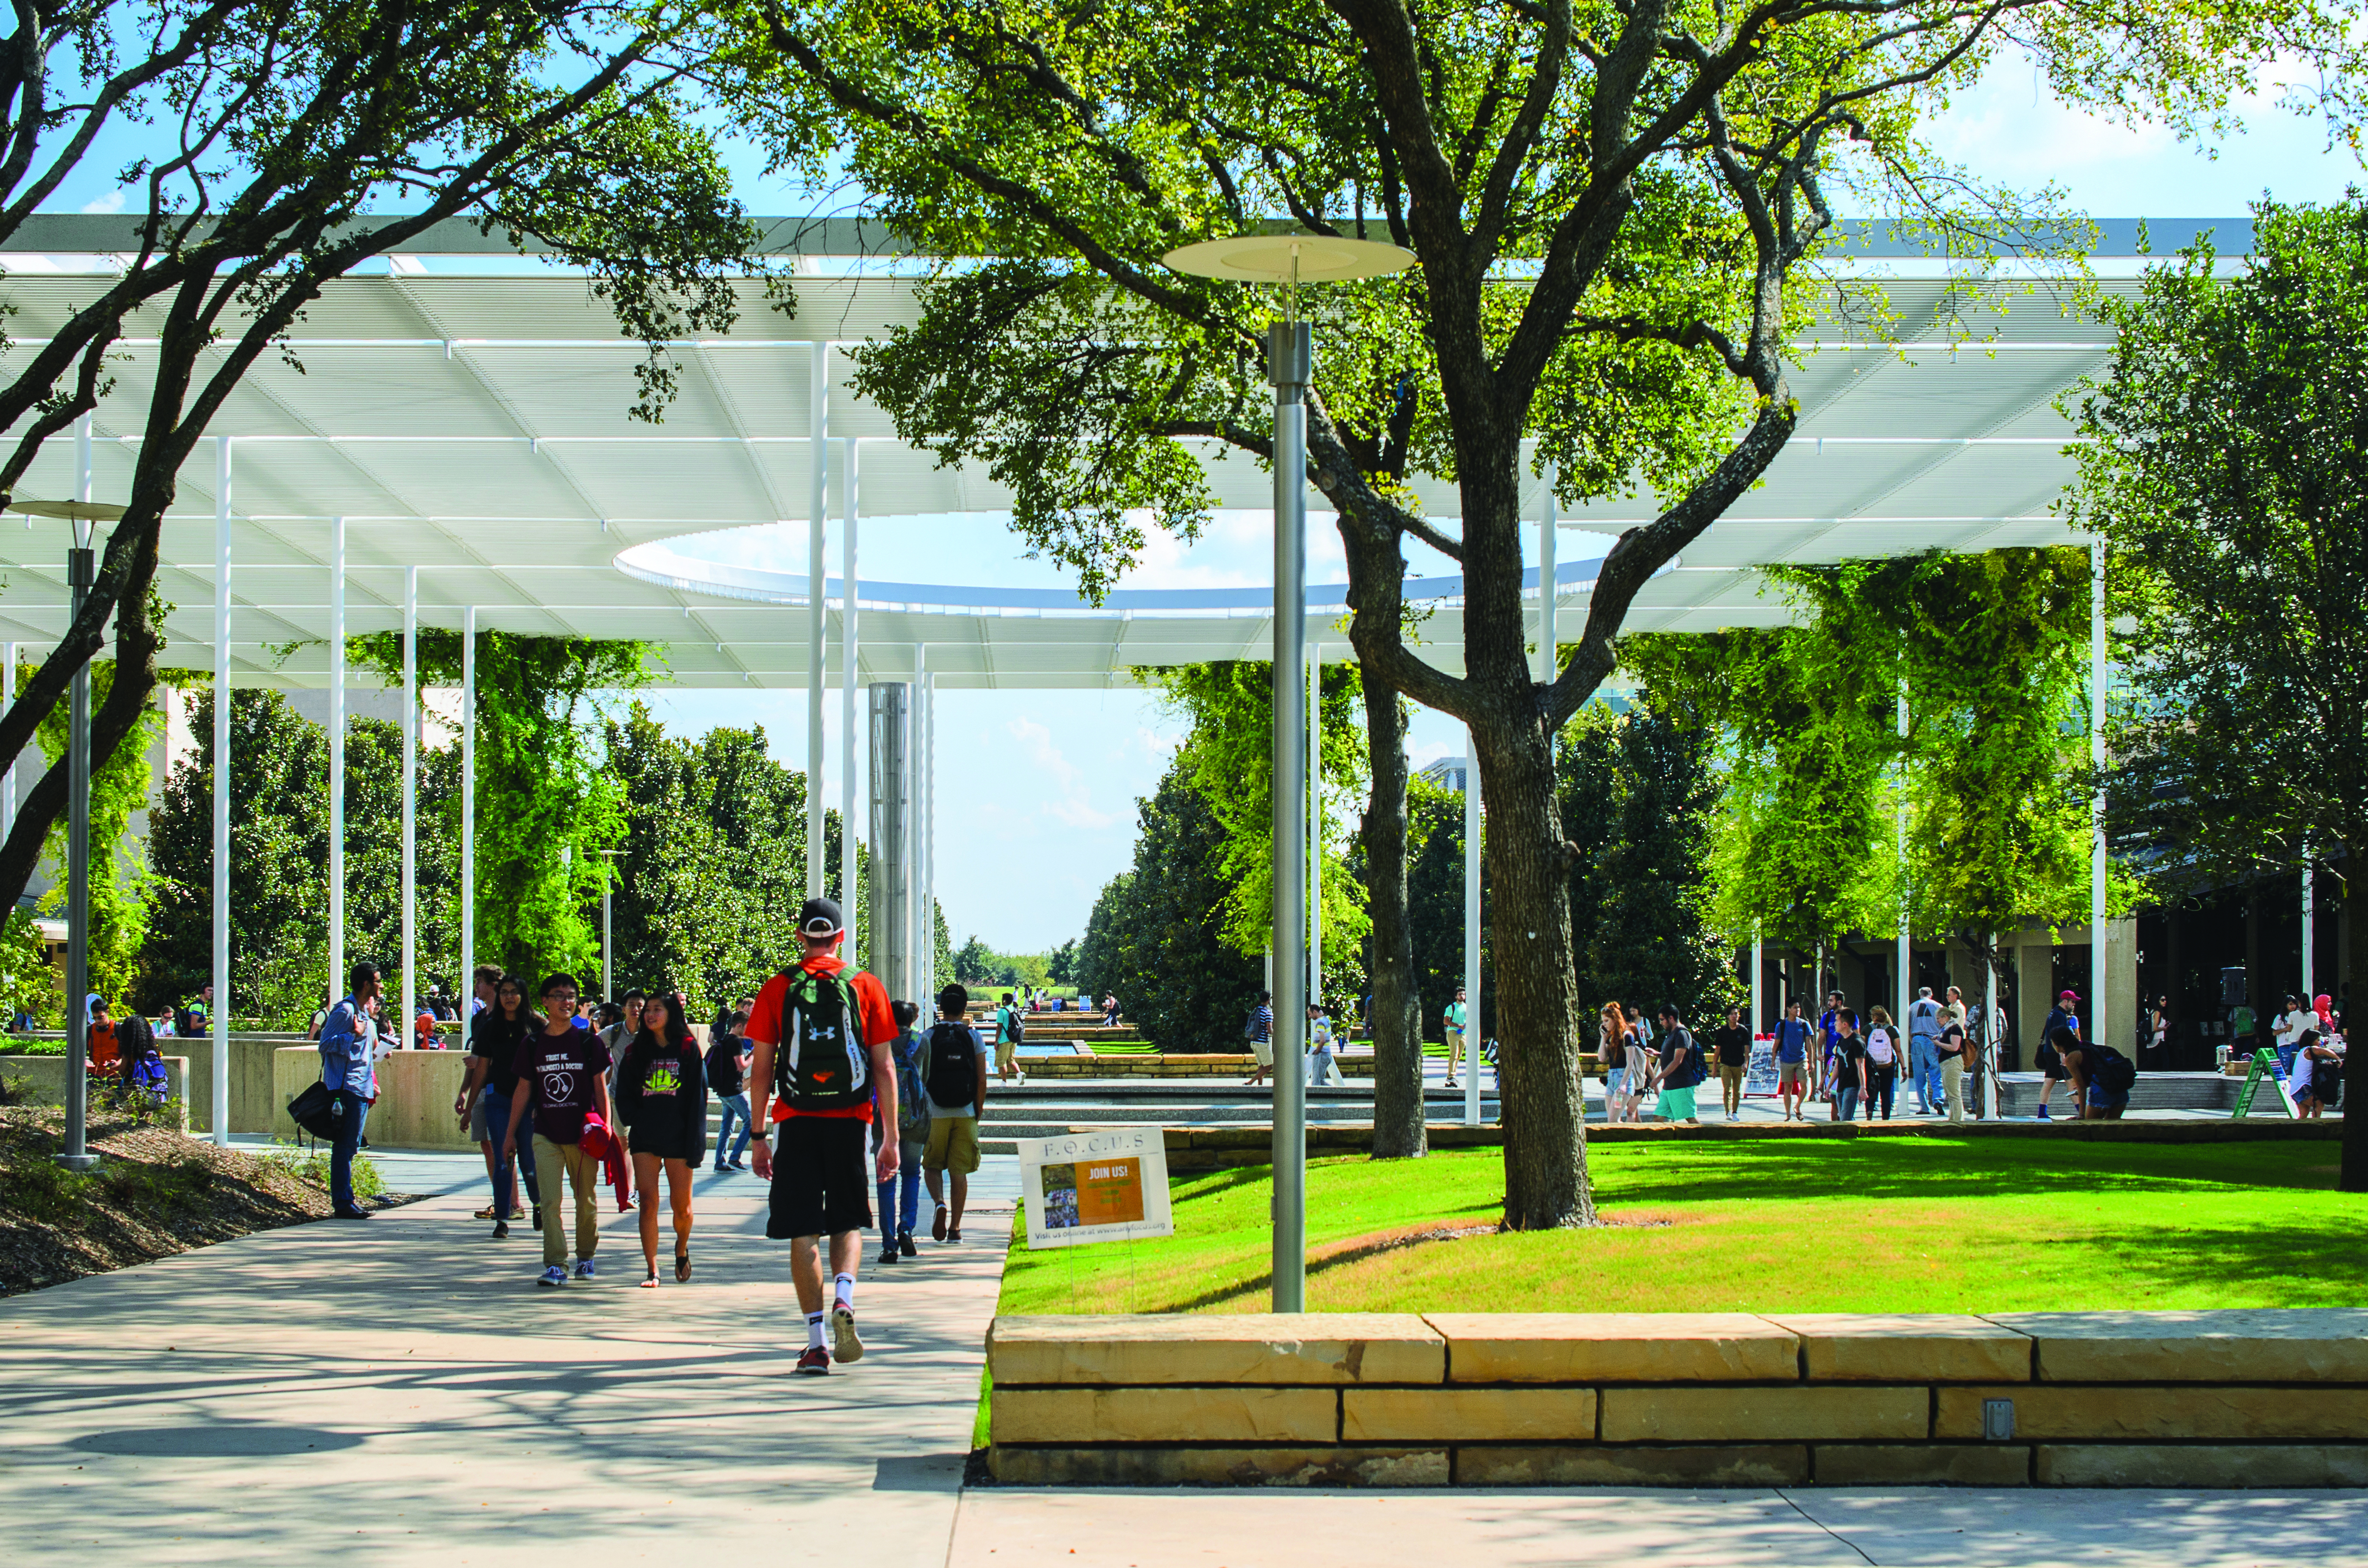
(1909, 1224)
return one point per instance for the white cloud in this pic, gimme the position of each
(111, 202)
(1072, 804)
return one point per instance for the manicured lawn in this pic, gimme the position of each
(1908, 1224)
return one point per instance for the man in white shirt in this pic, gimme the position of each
(1322, 1070)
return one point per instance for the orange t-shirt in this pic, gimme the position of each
(877, 1025)
(106, 1053)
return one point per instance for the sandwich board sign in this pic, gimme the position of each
(1106, 1184)
(2265, 1070)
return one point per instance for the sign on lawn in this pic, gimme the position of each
(1108, 1186)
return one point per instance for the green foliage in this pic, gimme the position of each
(1991, 651)
(312, 1165)
(1154, 939)
(119, 877)
(546, 808)
(1434, 905)
(1229, 757)
(1637, 793)
(976, 963)
(31, 986)
(1061, 964)
(2226, 444)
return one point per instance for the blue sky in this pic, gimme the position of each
(1037, 789)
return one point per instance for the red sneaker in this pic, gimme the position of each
(815, 1363)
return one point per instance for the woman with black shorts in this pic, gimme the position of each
(662, 1101)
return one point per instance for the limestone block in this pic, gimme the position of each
(1594, 1348)
(1165, 1415)
(2271, 1345)
(2110, 1413)
(1194, 1349)
(1922, 1464)
(1770, 1465)
(1764, 1414)
(1218, 1466)
(2203, 1465)
(1907, 1348)
(1467, 1414)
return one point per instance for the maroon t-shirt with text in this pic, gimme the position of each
(556, 1073)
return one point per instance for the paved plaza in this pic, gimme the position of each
(399, 1391)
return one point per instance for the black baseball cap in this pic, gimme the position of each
(821, 917)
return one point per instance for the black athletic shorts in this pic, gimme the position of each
(822, 1179)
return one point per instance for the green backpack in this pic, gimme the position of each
(821, 1065)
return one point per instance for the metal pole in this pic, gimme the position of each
(218, 1015)
(469, 800)
(1907, 944)
(410, 795)
(608, 939)
(2309, 929)
(1993, 1037)
(2098, 1031)
(76, 1155)
(1549, 591)
(1316, 825)
(8, 779)
(917, 914)
(817, 529)
(1756, 1016)
(336, 755)
(1289, 353)
(1472, 1035)
(929, 841)
(846, 885)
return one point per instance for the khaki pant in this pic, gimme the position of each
(1730, 1083)
(1952, 1087)
(550, 1161)
(1454, 1048)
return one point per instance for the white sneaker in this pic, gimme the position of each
(844, 1346)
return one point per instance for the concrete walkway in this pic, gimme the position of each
(400, 1389)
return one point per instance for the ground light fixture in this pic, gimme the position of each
(1289, 261)
(82, 516)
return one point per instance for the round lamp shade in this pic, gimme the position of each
(72, 511)
(1267, 258)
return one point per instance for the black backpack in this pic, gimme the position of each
(950, 1066)
(822, 1065)
(2112, 1072)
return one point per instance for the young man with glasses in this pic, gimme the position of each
(563, 1073)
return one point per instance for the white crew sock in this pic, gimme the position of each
(813, 1331)
(844, 1288)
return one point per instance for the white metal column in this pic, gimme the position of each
(1472, 1031)
(1993, 1036)
(8, 779)
(928, 754)
(218, 1015)
(1758, 1017)
(846, 840)
(410, 811)
(916, 901)
(1906, 987)
(1315, 825)
(2309, 931)
(336, 757)
(1549, 647)
(468, 801)
(817, 531)
(2097, 942)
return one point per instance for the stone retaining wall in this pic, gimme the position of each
(2217, 1399)
(43, 1082)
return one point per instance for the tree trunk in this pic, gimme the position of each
(1398, 1129)
(2355, 970)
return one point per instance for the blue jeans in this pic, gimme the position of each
(907, 1179)
(353, 1111)
(1924, 1067)
(734, 1106)
(506, 1168)
(1846, 1103)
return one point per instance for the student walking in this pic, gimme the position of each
(1732, 1041)
(1829, 1053)
(562, 1078)
(1792, 1036)
(1611, 1048)
(727, 1078)
(1260, 1026)
(1009, 1028)
(495, 1036)
(953, 1075)
(662, 1103)
(1322, 1070)
(1681, 1068)
(2049, 1059)
(821, 1030)
(348, 1045)
(1883, 1055)
(1952, 1050)
(912, 1124)
(1923, 1054)
(1850, 1069)
(1451, 1020)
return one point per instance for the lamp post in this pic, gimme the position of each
(609, 927)
(80, 516)
(1290, 260)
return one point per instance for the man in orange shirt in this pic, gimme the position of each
(821, 1033)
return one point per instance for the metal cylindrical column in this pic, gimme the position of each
(337, 756)
(218, 1015)
(917, 897)
(847, 652)
(1906, 987)
(2098, 941)
(76, 1155)
(1549, 591)
(410, 795)
(1316, 825)
(1290, 355)
(817, 531)
(1472, 1032)
(469, 799)
(1758, 1017)
(2309, 931)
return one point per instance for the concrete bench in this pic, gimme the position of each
(2209, 1399)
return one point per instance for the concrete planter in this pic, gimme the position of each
(44, 1080)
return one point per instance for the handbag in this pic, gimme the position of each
(315, 1110)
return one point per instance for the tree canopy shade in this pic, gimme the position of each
(2226, 442)
(271, 124)
(1613, 206)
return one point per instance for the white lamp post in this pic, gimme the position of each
(1290, 260)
